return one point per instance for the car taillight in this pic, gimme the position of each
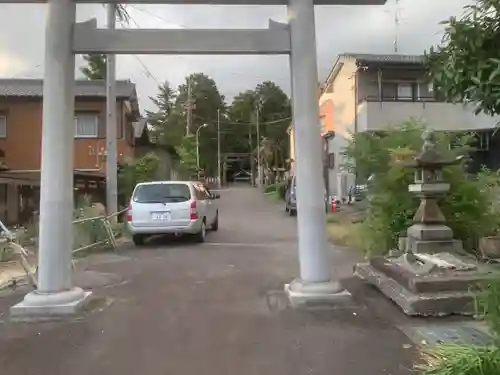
(129, 213)
(193, 214)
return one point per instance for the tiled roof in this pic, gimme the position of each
(95, 88)
(395, 58)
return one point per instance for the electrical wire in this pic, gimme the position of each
(148, 12)
(274, 122)
(145, 68)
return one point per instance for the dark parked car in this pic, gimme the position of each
(291, 197)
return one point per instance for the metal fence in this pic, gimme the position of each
(89, 233)
(94, 232)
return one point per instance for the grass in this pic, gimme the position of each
(273, 195)
(344, 229)
(456, 359)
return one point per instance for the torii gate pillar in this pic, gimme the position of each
(315, 283)
(56, 296)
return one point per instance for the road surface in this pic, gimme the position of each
(214, 309)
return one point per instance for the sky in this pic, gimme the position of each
(340, 29)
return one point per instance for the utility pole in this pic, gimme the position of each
(111, 167)
(218, 150)
(189, 117)
(396, 28)
(251, 153)
(259, 171)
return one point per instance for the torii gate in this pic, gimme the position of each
(56, 294)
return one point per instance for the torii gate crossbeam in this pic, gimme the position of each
(56, 295)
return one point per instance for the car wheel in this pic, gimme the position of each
(292, 212)
(138, 239)
(200, 236)
(215, 225)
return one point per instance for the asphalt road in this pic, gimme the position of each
(216, 308)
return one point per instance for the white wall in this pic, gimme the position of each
(344, 118)
(374, 116)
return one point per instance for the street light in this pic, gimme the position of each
(198, 146)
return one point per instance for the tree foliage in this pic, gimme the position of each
(96, 66)
(187, 156)
(467, 207)
(169, 120)
(96, 63)
(163, 121)
(143, 169)
(466, 66)
(272, 105)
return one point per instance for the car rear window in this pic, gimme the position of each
(162, 193)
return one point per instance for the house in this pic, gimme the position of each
(326, 124)
(370, 92)
(21, 137)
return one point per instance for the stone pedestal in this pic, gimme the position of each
(426, 284)
(429, 239)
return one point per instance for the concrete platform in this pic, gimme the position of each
(36, 307)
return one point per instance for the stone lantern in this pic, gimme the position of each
(429, 233)
(431, 274)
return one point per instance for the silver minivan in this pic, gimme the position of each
(172, 207)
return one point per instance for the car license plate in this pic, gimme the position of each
(160, 216)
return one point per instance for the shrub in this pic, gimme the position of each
(391, 207)
(270, 188)
(143, 169)
(281, 189)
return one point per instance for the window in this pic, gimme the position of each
(331, 161)
(202, 192)
(86, 125)
(3, 126)
(162, 193)
(482, 141)
(405, 91)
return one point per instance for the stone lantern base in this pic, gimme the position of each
(431, 275)
(432, 294)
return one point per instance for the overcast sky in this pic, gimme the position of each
(339, 29)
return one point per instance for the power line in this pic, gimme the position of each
(274, 122)
(148, 12)
(146, 70)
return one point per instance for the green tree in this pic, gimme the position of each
(206, 100)
(143, 169)
(96, 66)
(96, 63)
(274, 111)
(391, 206)
(187, 155)
(466, 66)
(167, 127)
(241, 117)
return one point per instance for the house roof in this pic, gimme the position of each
(83, 88)
(367, 58)
(389, 59)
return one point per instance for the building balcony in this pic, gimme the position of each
(375, 115)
